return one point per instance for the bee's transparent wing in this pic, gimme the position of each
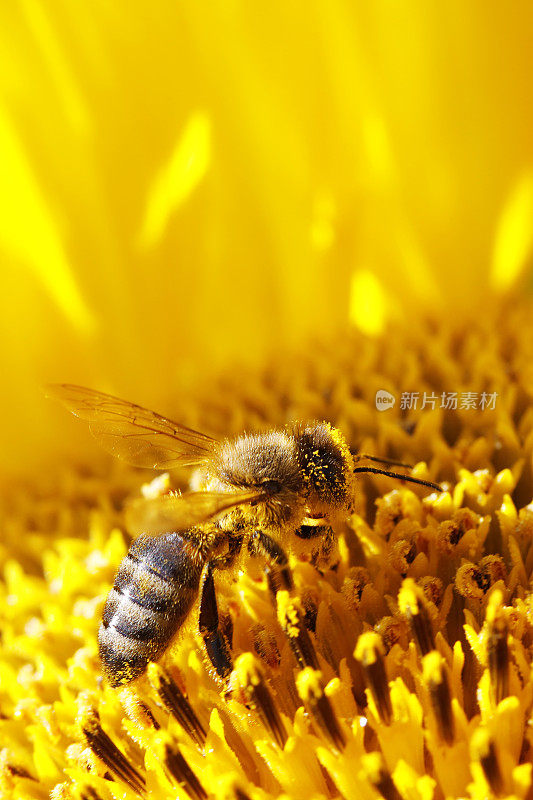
(135, 434)
(157, 515)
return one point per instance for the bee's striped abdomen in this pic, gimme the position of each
(155, 587)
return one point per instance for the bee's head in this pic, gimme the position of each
(267, 462)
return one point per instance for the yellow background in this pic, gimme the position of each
(184, 184)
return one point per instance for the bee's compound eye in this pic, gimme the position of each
(271, 486)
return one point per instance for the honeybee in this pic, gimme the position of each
(262, 494)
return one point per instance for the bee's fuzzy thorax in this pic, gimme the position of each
(248, 460)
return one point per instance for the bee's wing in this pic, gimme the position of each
(135, 434)
(168, 513)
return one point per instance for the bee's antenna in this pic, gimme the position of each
(363, 456)
(400, 477)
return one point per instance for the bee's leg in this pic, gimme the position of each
(226, 560)
(209, 625)
(278, 571)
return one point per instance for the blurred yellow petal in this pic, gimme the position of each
(367, 302)
(29, 233)
(178, 178)
(514, 236)
(378, 149)
(323, 222)
(41, 27)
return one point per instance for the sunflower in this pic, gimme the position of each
(241, 217)
(400, 668)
